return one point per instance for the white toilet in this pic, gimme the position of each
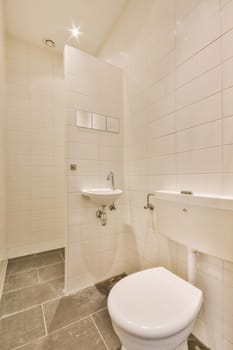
(154, 310)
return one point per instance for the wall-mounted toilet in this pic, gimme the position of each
(154, 310)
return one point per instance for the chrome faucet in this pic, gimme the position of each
(109, 177)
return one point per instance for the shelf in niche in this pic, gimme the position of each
(94, 121)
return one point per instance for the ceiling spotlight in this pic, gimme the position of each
(49, 42)
(75, 32)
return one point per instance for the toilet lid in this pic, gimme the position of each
(154, 303)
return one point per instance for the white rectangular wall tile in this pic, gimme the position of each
(163, 126)
(206, 110)
(204, 19)
(226, 16)
(35, 147)
(206, 85)
(228, 102)
(203, 136)
(201, 161)
(200, 63)
(228, 130)
(228, 159)
(227, 40)
(162, 145)
(228, 74)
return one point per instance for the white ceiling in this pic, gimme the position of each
(35, 20)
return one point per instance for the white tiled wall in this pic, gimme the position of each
(93, 252)
(177, 59)
(36, 149)
(3, 140)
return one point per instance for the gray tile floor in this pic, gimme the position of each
(35, 314)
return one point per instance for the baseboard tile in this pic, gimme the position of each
(3, 268)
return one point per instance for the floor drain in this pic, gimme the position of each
(195, 344)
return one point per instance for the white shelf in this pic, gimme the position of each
(204, 200)
(200, 221)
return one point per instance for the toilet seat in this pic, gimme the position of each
(153, 303)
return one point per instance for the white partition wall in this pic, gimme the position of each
(3, 141)
(94, 252)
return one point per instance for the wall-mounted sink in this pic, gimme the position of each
(102, 196)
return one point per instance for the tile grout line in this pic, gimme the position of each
(218, 37)
(9, 274)
(184, 106)
(15, 290)
(29, 308)
(30, 256)
(42, 305)
(45, 325)
(38, 278)
(90, 316)
(100, 334)
(34, 268)
(197, 77)
(62, 256)
(59, 329)
(81, 319)
(28, 343)
(33, 285)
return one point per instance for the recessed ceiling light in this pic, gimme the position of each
(49, 42)
(75, 32)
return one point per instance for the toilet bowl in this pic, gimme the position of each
(154, 310)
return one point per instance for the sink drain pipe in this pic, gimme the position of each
(192, 266)
(101, 214)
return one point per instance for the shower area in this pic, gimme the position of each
(56, 145)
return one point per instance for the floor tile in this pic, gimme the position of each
(61, 252)
(48, 258)
(31, 296)
(29, 262)
(194, 344)
(51, 272)
(81, 335)
(21, 328)
(20, 280)
(66, 310)
(22, 264)
(104, 324)
(105, 286)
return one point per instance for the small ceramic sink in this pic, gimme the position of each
(102, 196)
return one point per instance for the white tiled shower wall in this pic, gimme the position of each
(93, 252)
(178, 62)
(3, 140)
(36, 148)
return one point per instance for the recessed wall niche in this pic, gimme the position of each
(90, 120)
